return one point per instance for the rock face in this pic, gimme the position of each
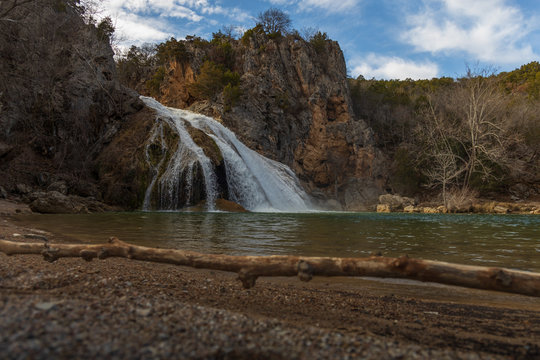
(295, 108)
(68, 126)
(60, 101)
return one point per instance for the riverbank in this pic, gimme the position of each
(396, 203)
(117, 308)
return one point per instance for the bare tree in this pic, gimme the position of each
(445, 165)
(274, 21)
(466, 132)
(481, 107)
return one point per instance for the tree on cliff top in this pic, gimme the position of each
(274, 21)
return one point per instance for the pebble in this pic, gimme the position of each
(45, 305)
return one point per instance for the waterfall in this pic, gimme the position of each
(248, 178)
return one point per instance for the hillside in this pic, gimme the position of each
(478, 135)
(285, 96)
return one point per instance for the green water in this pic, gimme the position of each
(489, 240)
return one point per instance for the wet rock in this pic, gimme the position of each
(430, 210)
(383, 208)
(230, 206)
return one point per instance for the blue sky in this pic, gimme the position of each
(384, 39)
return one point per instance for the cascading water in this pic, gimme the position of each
(252, 180)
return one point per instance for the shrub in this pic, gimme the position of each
(212, 79)
(172, 50)
(257, 30)
(105, 29)
(318, 41)
(153, 85)
(231, 95)
(222, 53)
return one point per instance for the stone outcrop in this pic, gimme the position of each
(60, 100)
(295, 108)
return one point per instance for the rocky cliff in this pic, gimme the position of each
(295, 108)
(68, 126)
(60, 101)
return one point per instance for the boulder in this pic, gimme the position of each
(442, 209)
(396, 202)
(499, 209)
(430, 210)
(383, 208)
(411, 209)
(54, 202)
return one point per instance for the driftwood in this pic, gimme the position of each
(249, 268)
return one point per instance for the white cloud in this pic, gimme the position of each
(139, 21)
(392, 67)
(134, 29)
(488, 30)
(331, 6)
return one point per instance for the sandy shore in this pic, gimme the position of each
(117, 308)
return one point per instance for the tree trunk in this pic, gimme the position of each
(251, 267)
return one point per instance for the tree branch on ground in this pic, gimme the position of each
(249, 268)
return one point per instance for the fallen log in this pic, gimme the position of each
(249, 268)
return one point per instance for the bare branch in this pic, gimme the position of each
(249, 268)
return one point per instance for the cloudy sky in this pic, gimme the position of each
(384, 39)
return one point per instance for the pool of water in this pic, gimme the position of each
(490, 240)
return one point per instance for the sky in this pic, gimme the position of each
(381, 39)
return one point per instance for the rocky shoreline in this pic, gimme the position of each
(396, 203)
(117, 308)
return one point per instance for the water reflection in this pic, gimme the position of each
(510, 241)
